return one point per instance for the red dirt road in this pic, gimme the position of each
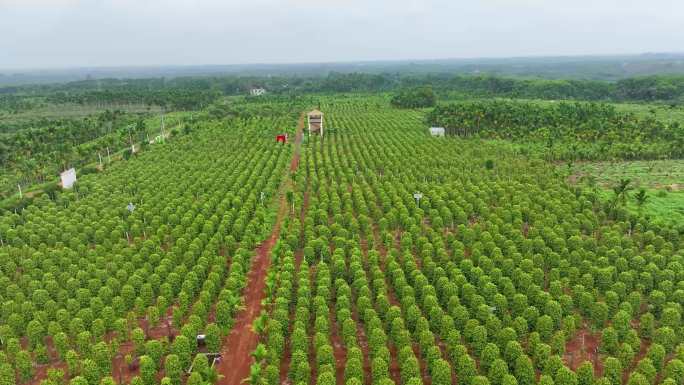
(239, 344)
(237, 347)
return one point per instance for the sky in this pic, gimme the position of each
(95, 33)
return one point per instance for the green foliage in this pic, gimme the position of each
(24, 365)
(585, 373)
(182, 349)
(148, 370)
(613, 370)
(441, 373)
(7, 376)
(499, 267)
(417, 97)
(213, 337)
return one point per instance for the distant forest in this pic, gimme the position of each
(191, 93)
(611, 68)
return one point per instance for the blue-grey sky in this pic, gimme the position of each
(78, 33)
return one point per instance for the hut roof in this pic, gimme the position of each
(315, 112)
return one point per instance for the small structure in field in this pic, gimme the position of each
(437, 131)
(257, 91)
(68, 178)
(201, 339)
(315, 121)
(282, 138)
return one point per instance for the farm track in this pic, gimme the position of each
(237, 346)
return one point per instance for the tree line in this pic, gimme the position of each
(568, 130)
(189, 93)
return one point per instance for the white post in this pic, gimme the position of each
(100, 156)
(20, 194)
(109, 158)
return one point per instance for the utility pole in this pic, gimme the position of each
(162, 125)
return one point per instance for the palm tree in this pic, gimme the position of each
(641, 197)
(622, 190)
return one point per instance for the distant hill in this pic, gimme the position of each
(561, 67)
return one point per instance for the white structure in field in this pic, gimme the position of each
(437, 131)
(68, 178)
(257, 91)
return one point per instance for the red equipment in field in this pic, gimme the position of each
(281, 138)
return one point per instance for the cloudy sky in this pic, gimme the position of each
(69, 33)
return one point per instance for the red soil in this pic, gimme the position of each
(427, 380)
(583, 347)
(643, 350)
(363, 345)
(298, 142)
(238, 345)
(394, 370)
(339, 351)
(119, 367)
(120, 370)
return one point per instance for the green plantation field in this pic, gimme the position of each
(374, 255)
(89, 286)
(500, 274)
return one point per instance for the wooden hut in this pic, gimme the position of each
(315, 121)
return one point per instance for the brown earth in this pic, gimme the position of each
(363, 345)
(584, 347)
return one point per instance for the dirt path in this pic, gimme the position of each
(239, 344)
(583, 347)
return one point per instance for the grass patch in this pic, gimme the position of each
(658, 174)
(663, 181)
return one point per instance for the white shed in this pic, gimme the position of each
(437, 131)
(68, 178)
(257, 91)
